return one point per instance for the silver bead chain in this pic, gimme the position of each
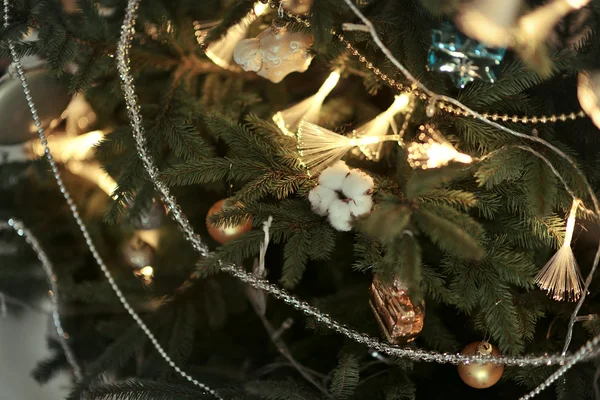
(421, 355)
(63, 337)
(83, 228)
(585, 353)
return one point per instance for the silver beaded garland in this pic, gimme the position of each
(586, 352)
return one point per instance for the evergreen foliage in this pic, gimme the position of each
(468, 240)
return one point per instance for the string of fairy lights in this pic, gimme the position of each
(433, 152)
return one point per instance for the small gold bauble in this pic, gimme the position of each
(224, 234)
(478, 375)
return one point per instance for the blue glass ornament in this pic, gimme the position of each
(464, 58)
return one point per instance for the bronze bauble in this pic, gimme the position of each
(477, 375)
(224, 234)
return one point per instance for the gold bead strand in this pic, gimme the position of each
(446, 107)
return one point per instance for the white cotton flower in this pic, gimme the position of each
(356, 184)
(360, 205)
(339, 215)
(333, 177)
(320, 198)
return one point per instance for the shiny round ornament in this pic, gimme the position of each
(51, 99)
(479, 375)
(224, 234)
(275, 53)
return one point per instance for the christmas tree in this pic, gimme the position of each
(305, 199)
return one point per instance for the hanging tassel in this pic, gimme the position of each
(561, 277)
(380, 125)
(221, 51)
(309, 109)
(434, 151)
(320, 147)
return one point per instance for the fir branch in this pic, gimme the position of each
(140, 389)
(451, 230)
(115, 355)
(295, 257)
(450, 197)
(506, 164)
(279, 390)
(540, 186)
(345, 377)
(46, 369)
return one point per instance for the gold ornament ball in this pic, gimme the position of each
(478, 375)
(224, 234)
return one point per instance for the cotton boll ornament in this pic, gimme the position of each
(334, 176)
(321, 198)
(339, 215)
(356, 184)
(342, 194)
(360, 205)
(275, 53)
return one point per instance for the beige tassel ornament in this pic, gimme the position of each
(560, 277)
(308, 109)
(319, 147)
(380, 126)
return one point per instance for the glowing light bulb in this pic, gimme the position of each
(435, 151)
(147, 271)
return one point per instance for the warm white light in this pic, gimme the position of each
(434, 152)
(400, 103)
(67, 148)
(93, 172)
(308, 109)
(441, 154)
(147, 271)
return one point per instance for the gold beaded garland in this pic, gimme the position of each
(446, 107)
(480, 375)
